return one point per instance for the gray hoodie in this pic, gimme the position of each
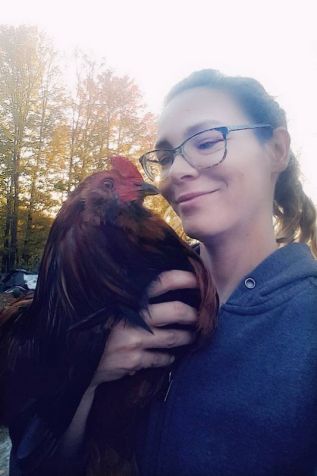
(246, 404)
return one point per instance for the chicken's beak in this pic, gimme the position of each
(148, 189)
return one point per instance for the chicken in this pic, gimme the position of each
(103, 251)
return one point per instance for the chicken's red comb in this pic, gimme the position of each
(125, 167)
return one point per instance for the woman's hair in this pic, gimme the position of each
(294, 212)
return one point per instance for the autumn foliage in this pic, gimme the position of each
(58, 123)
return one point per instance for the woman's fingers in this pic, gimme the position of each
(169, 280)
(132, 339)
(167, 313)
(129, 349)
(156, 359)
(168, 339)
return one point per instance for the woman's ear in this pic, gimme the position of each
(279, 149)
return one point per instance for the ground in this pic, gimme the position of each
(5, 446)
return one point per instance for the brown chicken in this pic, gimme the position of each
(103, 251)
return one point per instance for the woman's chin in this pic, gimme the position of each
(195, 232)
(203, 230)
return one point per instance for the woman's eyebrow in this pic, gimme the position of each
(161, 144)
(200, 126)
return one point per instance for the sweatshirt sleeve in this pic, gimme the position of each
(37, 452)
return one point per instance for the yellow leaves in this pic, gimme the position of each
(51, 136)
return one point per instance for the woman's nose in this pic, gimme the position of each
(181, 167)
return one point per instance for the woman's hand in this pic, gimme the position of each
(130, 349)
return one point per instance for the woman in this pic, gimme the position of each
(245, 404)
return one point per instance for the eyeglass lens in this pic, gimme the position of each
(203, 150)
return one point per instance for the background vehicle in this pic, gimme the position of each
(18, 282)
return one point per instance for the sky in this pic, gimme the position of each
(159, 42)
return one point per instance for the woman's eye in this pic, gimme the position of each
(207, 145)
(164, 160)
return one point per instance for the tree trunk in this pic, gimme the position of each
(5, 262)
(13, 261)
(28, 226)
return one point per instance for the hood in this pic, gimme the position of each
(276, 280)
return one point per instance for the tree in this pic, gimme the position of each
(51, 138)
(47, 116)
(27, 89)
(108, 117)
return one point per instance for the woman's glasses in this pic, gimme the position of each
(201, 150)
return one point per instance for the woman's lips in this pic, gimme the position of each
(189, 197)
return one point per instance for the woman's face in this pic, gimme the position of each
(234, 193)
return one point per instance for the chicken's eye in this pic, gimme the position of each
(108, 183)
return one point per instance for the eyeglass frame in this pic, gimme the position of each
(225, 130)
